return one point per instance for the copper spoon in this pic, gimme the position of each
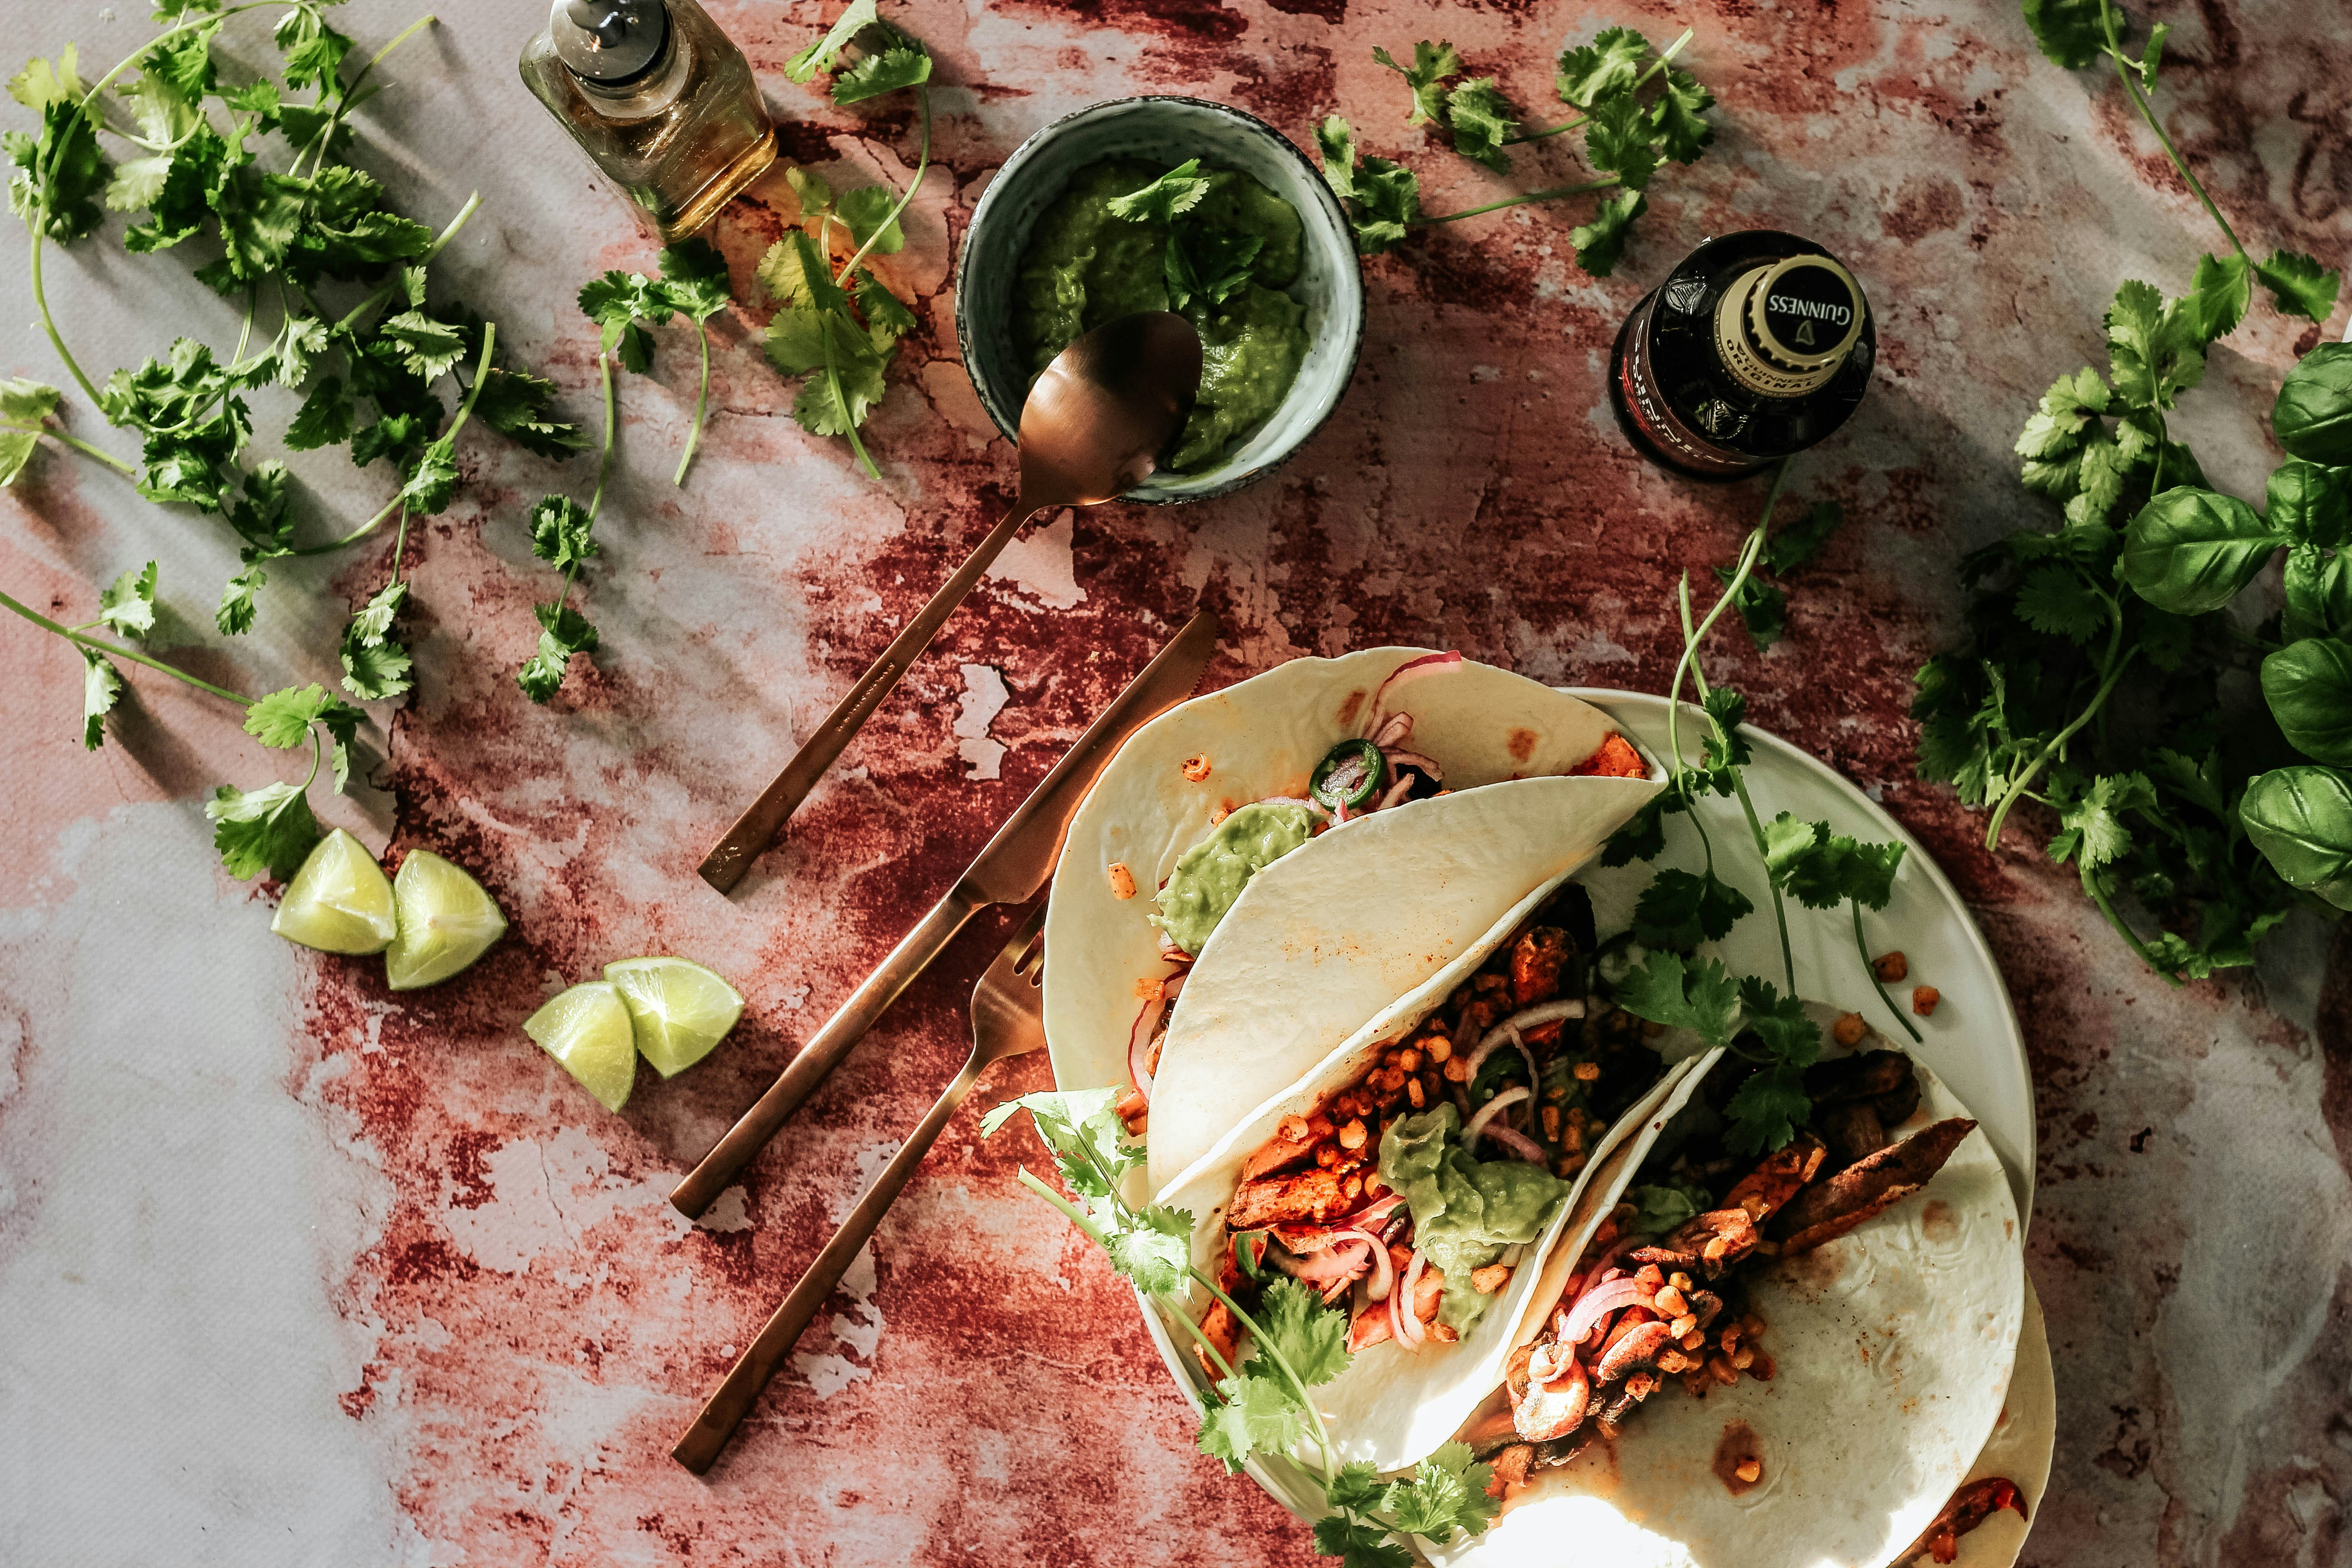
(1007, 1019)
(1094, 427)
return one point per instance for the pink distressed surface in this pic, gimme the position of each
(539, 1326)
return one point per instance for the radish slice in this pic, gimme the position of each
(1598, 1303)
(1518, 1144)
(1488, 1112)
(1409, 670)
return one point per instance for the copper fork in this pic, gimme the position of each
(1008, 1019)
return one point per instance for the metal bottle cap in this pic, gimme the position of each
(1785, 329)
(610, 42)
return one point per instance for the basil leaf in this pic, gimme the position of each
(2309, 501)
(2301, 819)
(2308, 685)
(2318, 593)
(2313, 417)
(2189, 551)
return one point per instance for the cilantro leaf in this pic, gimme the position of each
(1432, 64)
(1644, 838)
(2219, 293)
(564, 631)
(821, 55)
(235, 616)
(1821, 870)
(1617, 141)
(1177, 191)
(283, 719)
(1447, 1492)
(427, 349)
(1766, 1110)
(375, 666)
(2056, 428)
(615, 302)
(904, 63)
(1356, 1488)
(1357, 1545)
(1155, 1253)
(1679, 909)
(886, 318)
(324, 419)
(1780, 1023)
(1258, 1415)
(129, 605)
(2056, 600)
(2092, 828)
(870, 212)
(1479, 118)
(2155, 346)
(560, 529)
(1670, 990)
(821, 411)
(267, 830)
(102, 688)
(694, 280)
(1797, 544)
(1674, 122)
(1609, 65)
(1601, 243)
(516, 404)
(2300, 285)
(2069, 31)
(1311, 1336)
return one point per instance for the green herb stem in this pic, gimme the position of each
(1543, 196)
(1862, 947)
(109, 459)
(2111, 21)
(701, 406)
(82, 639)
(447, 234)
(1265, 1341)
(922, 161)
(2098, 892)
(2118, 661)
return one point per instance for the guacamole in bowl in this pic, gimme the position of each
(1222, 262)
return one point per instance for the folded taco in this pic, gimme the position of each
(1423, 1173)
(1791, 1359)
(1260, 871)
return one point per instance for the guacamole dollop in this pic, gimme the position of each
(1086, 266)
(1210, 875)
(1465, 1211)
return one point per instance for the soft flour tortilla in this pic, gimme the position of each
(1339, 929)
(1894, 1346)
(1393, 1407)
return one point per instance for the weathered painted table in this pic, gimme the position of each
(296, 1271)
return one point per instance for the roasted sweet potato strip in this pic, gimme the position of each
(1829, 1209)
(1535, 961)
(1277, 1200)
(1768, 1188)
(1853, 1131)
(1720, 1239)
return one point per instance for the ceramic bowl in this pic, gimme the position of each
(1168, 130)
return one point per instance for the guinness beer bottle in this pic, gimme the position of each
(1759, 345)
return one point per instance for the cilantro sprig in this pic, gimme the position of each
(269, 827)
(840, 327)
(1638, 113)
(1260, 1407)
(693, 284)
(563, 534)
(2165, 812)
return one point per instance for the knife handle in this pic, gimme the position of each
(699, 1447)
(758, 826)
(743, 1141)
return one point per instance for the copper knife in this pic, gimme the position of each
(1010, 870)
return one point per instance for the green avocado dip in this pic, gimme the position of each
(1465, 1211)
(1086, 266)
(1210, 875)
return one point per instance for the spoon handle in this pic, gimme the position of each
(699, 1447)
(756, 828)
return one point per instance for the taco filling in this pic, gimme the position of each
(1408, 1190)
(1658, 1298)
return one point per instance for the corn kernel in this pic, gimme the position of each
(1122, 880)
(1196, 768)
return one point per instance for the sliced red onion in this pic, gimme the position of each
(1502, 1034)
(1413, 1334)
(1289, 800)
(1527, 1018)
(1138, 1041)
(1339, 813)
(1488, 1112)
(1596, 1304)
(1311, 1237)
(1518, 1144)
(1384, 1272)
(1396, 1321)
(1409, 670)
(1395, 796)
(1170, 987)
(1394, 731)
(1400, 758)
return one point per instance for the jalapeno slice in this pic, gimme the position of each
(1249, 1252)
(1351, 773)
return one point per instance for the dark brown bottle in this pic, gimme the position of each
(1758, 345)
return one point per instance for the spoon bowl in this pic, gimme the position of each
(1098, 418)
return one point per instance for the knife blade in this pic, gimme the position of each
(1012, 868)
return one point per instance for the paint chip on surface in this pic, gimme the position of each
(983, 699)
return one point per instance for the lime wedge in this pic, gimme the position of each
(339, 901)
(680, 1009)
(446, 922)
(587, 1029)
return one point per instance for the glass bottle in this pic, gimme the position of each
(659, 98)
(1758, 345)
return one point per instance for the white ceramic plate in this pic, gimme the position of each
(1972, 1041)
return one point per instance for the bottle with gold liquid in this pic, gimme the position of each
(1757, 346)
(659, 98)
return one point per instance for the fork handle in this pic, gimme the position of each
(699, 1447)
(848, 1025)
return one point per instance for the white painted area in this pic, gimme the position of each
(1040, 564)
(858, 1329)
(983, 699)
(546, 1197)
(170, 1359)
